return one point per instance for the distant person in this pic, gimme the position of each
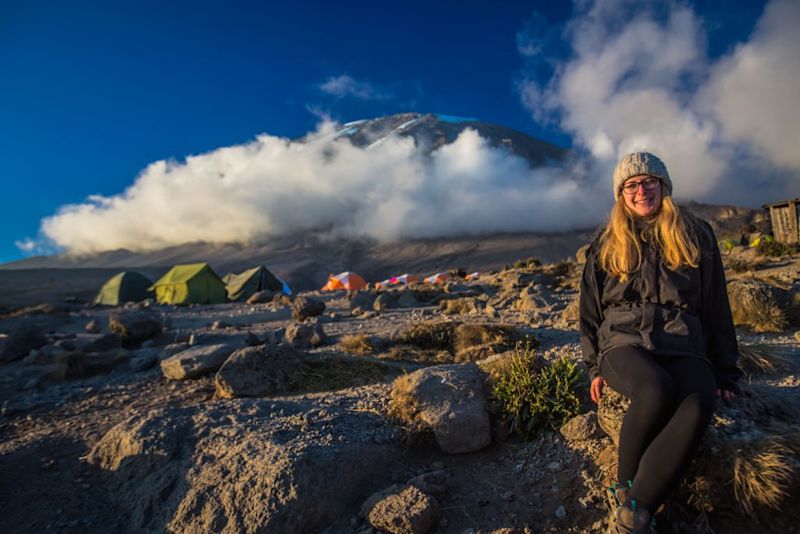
(656, 326)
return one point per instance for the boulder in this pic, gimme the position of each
(246, 465)
(78, 364)
(305, 307)
(258, 371)
(582, 427)
(449, 400)
(196, 361)
(407, 300)
(757, 305)
(21, 341)
(384, 301)
(361, 299)
(409, 511)
(304, 335)
(134, 326)
(533, 299)
(262, 296)
(748, 463)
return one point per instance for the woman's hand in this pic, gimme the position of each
(596, 389)
(726, 394)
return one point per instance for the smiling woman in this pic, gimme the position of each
(656, 326)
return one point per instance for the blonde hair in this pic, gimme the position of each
(674, 232)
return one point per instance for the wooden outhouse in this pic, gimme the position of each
(785, 217)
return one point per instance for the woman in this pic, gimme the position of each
(656, 326)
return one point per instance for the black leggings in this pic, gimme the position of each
(672, 401)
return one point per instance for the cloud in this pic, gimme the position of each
(637, 77)
(345, 86)
(273, 186)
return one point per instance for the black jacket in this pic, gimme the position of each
(683, 312)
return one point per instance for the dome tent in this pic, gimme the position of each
(127, 286)
(194, 283)
(251, 281)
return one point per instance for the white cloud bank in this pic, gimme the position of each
(638, 78)
(273, 186)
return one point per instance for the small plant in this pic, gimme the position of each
(772, 248)
(532, 395)
(357, 344)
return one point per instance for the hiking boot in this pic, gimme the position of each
(618, 495)
(631, 520)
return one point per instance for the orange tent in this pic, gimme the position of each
(346, 281)
(438, 278)
(473, 276)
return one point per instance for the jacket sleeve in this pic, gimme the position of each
(720, 334)
(591, 315)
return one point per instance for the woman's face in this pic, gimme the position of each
(645, 200)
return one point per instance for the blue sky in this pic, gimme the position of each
(93, 92)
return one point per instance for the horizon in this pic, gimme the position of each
(96, 96)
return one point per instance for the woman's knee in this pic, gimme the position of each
(698, 408)
(656, 390)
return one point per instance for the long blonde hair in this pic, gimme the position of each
(675, 234)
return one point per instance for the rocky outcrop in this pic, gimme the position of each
(449, 400)
(196, 361)
(305, 335)
(134, 326)
(257, 371)
(21, 341)
(406, 511)
(305, 307)
(247, 465)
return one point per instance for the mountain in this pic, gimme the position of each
(431, 131)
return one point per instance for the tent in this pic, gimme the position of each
(251, 281)
(127, 286)
(438, 278)
(195, 283)
(404, 279)
(473, 276)
(347, 281)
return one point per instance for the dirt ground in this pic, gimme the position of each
(47, 428)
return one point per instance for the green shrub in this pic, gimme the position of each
(770, 247)
(532, 395)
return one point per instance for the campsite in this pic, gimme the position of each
(307, 389)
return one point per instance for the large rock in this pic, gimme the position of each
(247, 465)
(305, 335)
(258, 371)
(362, 299)
(103, 343)
(305, 307)
(748, 463)
(196, 361)
(757, 305)
(21, 341)
(449, 399)
(408, 511)
(533, 298)
(134, 326)
(385, 301)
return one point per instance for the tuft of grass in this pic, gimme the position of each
(332, 374)
(403, 410)
(428, 335)
(526, 264)
(472, 342)
(357, 344)
(772, 248)
(760, 315)
(459, 306)
(761, 478)
(533, 395)
(761, 359)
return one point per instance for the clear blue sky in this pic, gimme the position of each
(91, 92)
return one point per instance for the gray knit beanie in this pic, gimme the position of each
(640, 163)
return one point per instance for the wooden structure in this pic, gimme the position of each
(785, 217)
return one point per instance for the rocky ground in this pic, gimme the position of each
(242, 417)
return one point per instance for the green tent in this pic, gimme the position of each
(124, 287)
(251, 281)
(195, 283)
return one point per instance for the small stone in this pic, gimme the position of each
(554, 466)
(561, 512)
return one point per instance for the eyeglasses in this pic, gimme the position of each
(651, 183)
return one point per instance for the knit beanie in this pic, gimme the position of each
(640, 163)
